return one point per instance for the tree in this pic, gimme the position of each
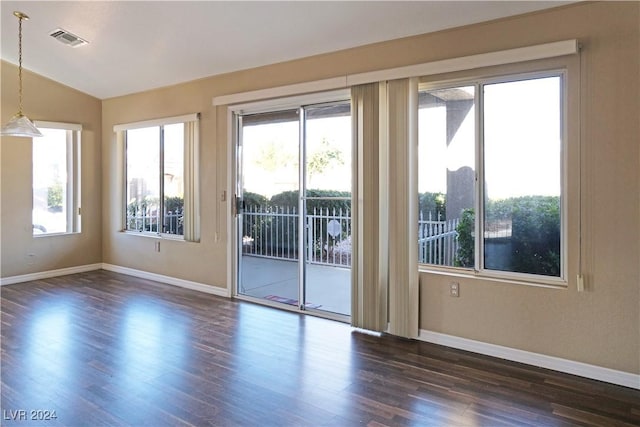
(465, 257)
(432, 205)
(54, 197)
(272, 157)
(323, 157)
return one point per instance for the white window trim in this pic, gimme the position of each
(501, 57)
(157, 122)
(191, 168)
(471, 62)
(58, 125)
(74, 168)
(265, 106)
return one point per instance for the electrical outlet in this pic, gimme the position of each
(454, 289)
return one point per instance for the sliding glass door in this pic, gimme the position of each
(294, 207)
(327, 202)
(268, 150)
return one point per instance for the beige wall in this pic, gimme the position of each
(600, 326)
(49, 101)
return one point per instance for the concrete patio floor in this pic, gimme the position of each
(328, 287)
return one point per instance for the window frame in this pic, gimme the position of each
(161, 169)
(478, 81)
(73, 157)
(191, 163)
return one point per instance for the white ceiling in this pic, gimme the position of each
(136, 46)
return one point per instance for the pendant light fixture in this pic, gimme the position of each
(20, 125)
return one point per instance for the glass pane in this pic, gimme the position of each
(328, 207)
(50, 198)
(446, 150)
(270, 190)
(143, 184)
(328, 150)
(174, 179)
(522, 155)
(270, 156)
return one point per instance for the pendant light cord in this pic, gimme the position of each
(20, 65)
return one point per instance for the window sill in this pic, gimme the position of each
(175, 237)
(539, 281)
(63, 233)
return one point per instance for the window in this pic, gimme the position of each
(155, 179)
(490, 175)
(161, 176)
(56, 179)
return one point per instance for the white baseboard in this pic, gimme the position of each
(550, 362)
(48, 274)
(124, 270)
(196, 286)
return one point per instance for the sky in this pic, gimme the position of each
(522, 141)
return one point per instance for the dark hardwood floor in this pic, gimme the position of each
(104, 349)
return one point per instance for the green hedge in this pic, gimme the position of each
(254, 199)
(535, 234)
(289, 199)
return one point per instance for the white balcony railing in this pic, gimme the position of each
(150, 221)
(437, 241)
(272, 232)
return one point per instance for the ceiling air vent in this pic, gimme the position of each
(65, 37)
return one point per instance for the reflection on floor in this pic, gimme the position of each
(328, 288)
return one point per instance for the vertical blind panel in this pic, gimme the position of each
(369, 302)
(192, 181)
(403, 261)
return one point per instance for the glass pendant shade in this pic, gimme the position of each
(20, 125)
